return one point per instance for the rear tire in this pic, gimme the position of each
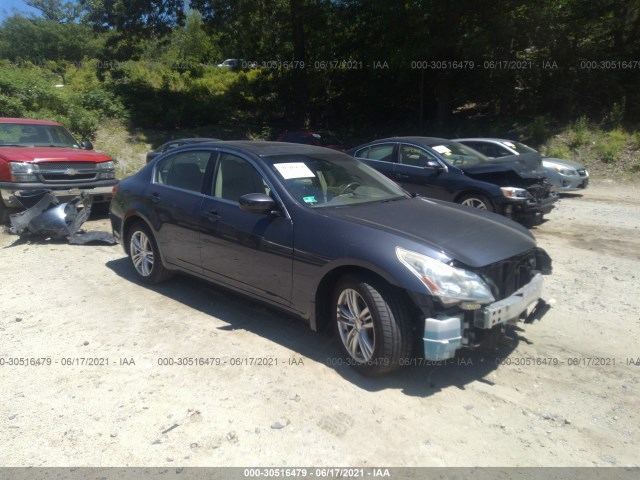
(4, 213)
(475, 200)
(373, 325)
(145, 255)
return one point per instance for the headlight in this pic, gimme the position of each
(24, 172)
(563, 171)
(451, 285)
(106, 170)
(515, 193)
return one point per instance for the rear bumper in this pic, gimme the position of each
(99, 191)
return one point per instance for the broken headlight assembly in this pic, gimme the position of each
(515, 193)
(451, 285)
(23, 172)
(106, 170)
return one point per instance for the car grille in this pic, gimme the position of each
(582, 172)
(507, 276)
(67, 172)
(539, 191)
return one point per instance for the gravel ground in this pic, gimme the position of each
(563, 393)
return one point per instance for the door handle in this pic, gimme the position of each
(154, 197)
(402, 175)
(211, 214)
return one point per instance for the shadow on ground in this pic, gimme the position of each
(420, 378)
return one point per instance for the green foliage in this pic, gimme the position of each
(610, 146)
(616, 116)
(40, 40)
(30, 91)
(56, 10)
(580, 134)
(539, 130)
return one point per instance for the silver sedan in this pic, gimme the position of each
(563, 175)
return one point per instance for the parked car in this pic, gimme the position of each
(176, 143)
(563, 175)
(325, 237)
(43, 155)
(319, 138)
(438, 168)
(232, 63)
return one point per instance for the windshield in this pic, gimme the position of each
(460, 155)
(30, 135)
(518, 147)
(332, 180)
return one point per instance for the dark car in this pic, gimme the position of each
(513, 186)
(325, 237)
(319, 138)
(176, 143)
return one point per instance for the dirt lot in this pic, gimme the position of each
(68, 303)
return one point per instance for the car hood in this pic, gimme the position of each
(528, 165)
(470, 236)
(51, 154)
(563, 162)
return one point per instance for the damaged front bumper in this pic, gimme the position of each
(445, 334)
(46, 216)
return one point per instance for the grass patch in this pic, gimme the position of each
(613, 153)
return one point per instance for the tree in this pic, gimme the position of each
(39, 39)
(134, 17)
(56, 10)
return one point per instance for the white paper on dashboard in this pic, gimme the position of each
(294, 170)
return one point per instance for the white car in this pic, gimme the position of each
(563, 175)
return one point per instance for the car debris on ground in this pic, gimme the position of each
(44, 216)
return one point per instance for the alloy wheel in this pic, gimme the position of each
(141, 253)
(355, 325)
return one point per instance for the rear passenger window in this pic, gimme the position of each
(183, 170)
(383, 153)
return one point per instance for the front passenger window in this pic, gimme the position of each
(414, 156)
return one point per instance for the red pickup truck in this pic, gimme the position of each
(43, 155)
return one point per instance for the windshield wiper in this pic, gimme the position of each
(11, 145)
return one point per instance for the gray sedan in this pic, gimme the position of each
(563, 175)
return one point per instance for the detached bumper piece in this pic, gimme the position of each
(444, 335)
(46, 217)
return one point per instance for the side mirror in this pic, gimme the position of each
(86, 145)
(433, 165)
(257, 203)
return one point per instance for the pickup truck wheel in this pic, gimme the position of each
(4, 213)
(475, 200)
(144, 255)
(372, 324)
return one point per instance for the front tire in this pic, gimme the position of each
(144, 255)
(4, 213)
(475, 200)
(373, 325)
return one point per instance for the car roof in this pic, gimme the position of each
(420, 140)
(28, 121)
(265, 149)
(192, 140)
(486, 139)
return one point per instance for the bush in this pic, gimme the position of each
(580, 133)
(610, 146)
